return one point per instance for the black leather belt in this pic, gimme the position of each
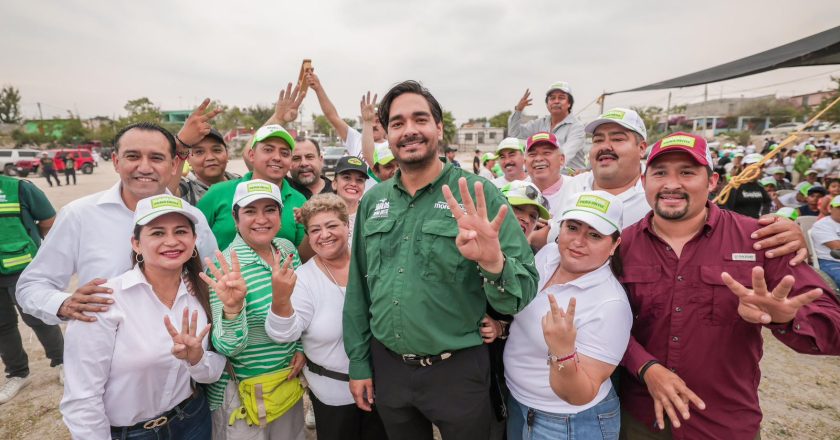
(321, 371)
(157, 422)
(422, 360)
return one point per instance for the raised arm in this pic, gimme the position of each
(368, 108)
(327, 106)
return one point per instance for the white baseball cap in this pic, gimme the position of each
(252, 190)
(510, 143)
(153, 207)
(562, 86)
(382, 154)
(752, 158)
(273, 130)
(598, 209)
(624, 117)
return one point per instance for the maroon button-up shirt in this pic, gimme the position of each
(686, 318)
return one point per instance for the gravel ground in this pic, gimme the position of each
(800, 395)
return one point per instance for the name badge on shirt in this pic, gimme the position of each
(743, 257)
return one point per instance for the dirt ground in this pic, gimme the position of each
(800, 395)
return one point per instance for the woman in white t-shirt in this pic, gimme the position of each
(558, 364)
(313, 314)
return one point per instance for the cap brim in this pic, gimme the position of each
(251, 198)
(519, 201)
(145, 220)
(678, 149)
(601, 224)
(362, 171)
(541, 142)
(592, 126)
(277, 134)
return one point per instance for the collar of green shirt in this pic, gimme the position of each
(447, 167)
(247, 255)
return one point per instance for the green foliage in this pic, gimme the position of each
(141, 110)
(834, 113)
(322, 124)
(650, 116)
(738, 137)
(500, 120)
(22, 138)
(450, 130)
(10, 105)
(350, 122)
(260, 113)
(73, 132)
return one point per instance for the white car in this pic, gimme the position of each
(783, 129)
(8, 159)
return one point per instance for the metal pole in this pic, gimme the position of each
(668, 114)
(40, 114)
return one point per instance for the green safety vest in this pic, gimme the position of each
(17, 249)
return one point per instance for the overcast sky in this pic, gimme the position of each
(477, 57)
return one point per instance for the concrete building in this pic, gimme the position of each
(810, 100)
(480, 136)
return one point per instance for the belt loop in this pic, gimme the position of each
(124, 434)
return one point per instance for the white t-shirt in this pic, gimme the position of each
(317, 322)
(485, 173)
(353, 143)
(502, 180)
(823, 231)
(603, 319)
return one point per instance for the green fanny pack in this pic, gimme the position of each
(266, 397)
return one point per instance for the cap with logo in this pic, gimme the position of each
(272, 131)
(382, 154)
(770, 180)
(351, 163)
(598, 209)
(520, 192)
(541, 138)
(776, 170)
(811, 172)
(803, 187)
(810, 147)
(626, 118)
(788, 213)
(562, 86)
(153, 207)
(695, 146)
(252, 190)
(752, 158)
(835, 202)
(487, 157)
(738, 154)
(510, 143)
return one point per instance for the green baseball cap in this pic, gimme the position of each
(788, 212)
(520, 192)
(767, 181)
(487, 156)
(274, 130)
(810, 147)
(804, 187)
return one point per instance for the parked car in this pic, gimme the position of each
(8, 159)
(783, 129)
(83, 162)
(331, 156)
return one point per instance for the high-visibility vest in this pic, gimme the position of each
(17, 249)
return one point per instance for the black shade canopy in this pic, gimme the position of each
(819, 49)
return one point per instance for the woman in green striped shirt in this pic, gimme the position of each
(239, 320)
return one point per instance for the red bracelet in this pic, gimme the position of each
(561, 360)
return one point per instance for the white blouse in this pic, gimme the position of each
(119, 370)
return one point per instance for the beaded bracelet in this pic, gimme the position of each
(560, 360)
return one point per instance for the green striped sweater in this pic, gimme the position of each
(243, 339)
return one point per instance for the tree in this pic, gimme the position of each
(650, 116)
(260, 113)
(350, 122)
(141, 110)
(834, 113)
(777, 110)
(74, 132)
(450, 130)
(500, 120)
(10, 105)
(322, 124)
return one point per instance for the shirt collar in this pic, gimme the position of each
(447, 167)
(113, 196)
(553, 189)
(569, 119)
(135, 277)
(588, 281)
(246, 254)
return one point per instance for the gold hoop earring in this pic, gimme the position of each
(138, 258)
(195, 253)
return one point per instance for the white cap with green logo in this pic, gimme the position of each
(520, 192)
(252, 190)
(624, 117)
(510, 143)
(153, 207)
(598, 209)
(382, 154)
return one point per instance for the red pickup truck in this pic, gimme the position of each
(83, 161)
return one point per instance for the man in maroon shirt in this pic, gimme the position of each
(700, 299)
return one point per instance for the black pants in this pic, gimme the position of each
(50, 172)
(69, 172)
(346, 422)
(11, 345)
(452, 394)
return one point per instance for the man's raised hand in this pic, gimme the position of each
(525, 101)
(478, 237)
(197, 125)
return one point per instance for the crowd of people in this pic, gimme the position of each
(556, 289)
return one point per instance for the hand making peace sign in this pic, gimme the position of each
(186, 345)
(478, 237)
(283, 279)
(197, 124)
(559, 327)
(229, 285)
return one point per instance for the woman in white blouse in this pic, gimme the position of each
(130, 374)
(313, 314)
(558, 363)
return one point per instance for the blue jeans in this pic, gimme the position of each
(191, 423)
(832, 268)
(602, 421)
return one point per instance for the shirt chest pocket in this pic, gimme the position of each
(649, 296)
(376, 244)
(439, 257)
(719, 304)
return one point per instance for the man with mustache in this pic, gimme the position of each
(701, 295)
(90, 237)
(307, 164)
(511, 157)
(422, 272)
(566, 128)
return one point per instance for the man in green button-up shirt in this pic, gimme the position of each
(421, 276)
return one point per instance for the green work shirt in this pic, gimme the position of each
(409, 286)
(217, 206)
(34, 207)
(802, 163)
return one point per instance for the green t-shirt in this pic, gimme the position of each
(217, 206)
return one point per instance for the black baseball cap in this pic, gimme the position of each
(216, 135)
(817, 189)
(351, 163)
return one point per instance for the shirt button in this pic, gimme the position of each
(405, 238)
(400, 270)
(675, 338)
(796, 326)
(398, 335)
(411, 205)
(396, 302)
(667, 248)
(678, 309)
(679, 277)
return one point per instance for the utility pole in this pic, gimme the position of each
(40, 114)
(705, 100)
(668, 114)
